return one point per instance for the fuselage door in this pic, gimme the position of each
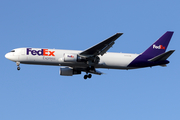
(23, 51)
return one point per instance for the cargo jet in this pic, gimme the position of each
(74, 62)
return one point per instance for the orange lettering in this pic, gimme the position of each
(51, 53)
(45, 52)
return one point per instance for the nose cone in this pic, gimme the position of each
(11, 56)
(6, 55)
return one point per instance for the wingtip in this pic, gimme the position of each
(119, 33)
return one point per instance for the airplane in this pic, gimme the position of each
(73, 62)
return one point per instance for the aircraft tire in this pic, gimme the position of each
(85, 77)
(89, 76)
(18, 68)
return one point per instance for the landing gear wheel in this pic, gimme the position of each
(18, 63)
(18, 68)
(85, 77)
(89, 76)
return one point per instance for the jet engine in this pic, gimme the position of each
(67, 71)
(70, 57)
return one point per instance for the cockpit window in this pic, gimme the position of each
(12, 50)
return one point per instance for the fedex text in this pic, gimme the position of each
(41, 52)
(158, 47)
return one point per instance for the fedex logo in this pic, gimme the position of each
(42, 52)
(71, 56)
(158, 47)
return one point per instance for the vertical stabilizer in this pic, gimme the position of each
(159, 46)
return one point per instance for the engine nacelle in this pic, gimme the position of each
(67, 71)
(73, 57)
(68, 57)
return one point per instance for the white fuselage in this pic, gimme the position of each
(109, 60)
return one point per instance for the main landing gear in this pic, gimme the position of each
(18, 63)
(87, 76)
(88, 69)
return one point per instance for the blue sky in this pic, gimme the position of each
(39, 92)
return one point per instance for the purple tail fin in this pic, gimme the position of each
(159, 46)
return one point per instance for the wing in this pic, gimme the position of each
(94, 71)
(90, 56)
(100, 48)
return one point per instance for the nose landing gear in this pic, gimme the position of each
(18, 63)
(18, 68)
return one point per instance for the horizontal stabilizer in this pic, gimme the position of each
(163, 65)
(162, 56)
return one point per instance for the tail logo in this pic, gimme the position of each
(158, 47)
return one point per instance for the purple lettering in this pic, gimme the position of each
(28, 50)
(33, 52)
(40, 52)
